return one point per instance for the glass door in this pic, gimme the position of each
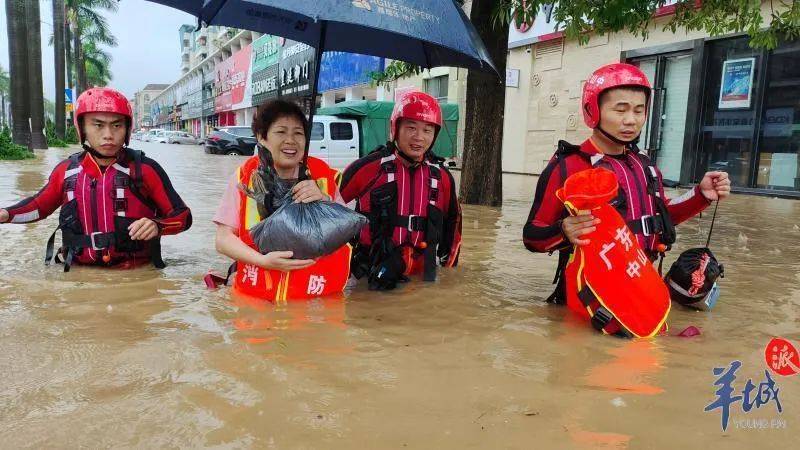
(663, 135)
(732, 90)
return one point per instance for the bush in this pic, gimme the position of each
(52, 140)
(11, 151)
(71, 135)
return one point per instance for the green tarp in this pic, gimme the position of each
(373, 119)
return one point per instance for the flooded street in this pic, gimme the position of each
(151, 359)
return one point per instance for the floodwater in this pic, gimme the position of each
(151, 359)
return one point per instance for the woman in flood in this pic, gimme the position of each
(257, 189)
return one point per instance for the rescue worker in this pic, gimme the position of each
(615, 103)
(408, 196)
(115, 202)
(280, 165)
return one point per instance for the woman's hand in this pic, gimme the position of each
(307, 191)
(282, 261)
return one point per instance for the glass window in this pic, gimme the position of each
(728, 125)
(437, 87)
(341, 131)
(241, 131)
(780, 121)
(317, 131)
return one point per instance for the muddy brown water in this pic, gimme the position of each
(151, 359)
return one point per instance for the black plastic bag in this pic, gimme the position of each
(309, 230)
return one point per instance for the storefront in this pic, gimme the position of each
(747, 121)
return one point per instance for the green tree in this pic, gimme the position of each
(59, 20)
(18, 71)
(98, 64)
(5, 86)
(579, 19)
(87, 24)
(35, 88)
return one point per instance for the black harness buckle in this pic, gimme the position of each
(601, 318)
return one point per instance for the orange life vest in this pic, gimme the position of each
(327, 276)
(610, 280)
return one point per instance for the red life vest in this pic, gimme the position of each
(97, 211)
(327, 276)
(404, 202)
(611, 280)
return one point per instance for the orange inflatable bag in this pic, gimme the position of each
(610, 280)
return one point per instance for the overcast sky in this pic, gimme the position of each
(148, 50)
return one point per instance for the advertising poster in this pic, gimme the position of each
(736, 89)
(232, 82)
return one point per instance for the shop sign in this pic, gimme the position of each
(296, 69)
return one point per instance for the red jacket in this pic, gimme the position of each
(542, 231)
(96, 213)
(416, 188)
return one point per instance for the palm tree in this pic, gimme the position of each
(86, 21)
(18, 58)
(58, 51)
(35, 90)
(5, 86)
(98, 64)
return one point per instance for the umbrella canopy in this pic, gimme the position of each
(427, 33)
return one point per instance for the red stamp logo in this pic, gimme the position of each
(782, 357)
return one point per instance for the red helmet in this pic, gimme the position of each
(415, 105)
(105, 100)
(608, 77)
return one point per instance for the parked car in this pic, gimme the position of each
(136, 136)
(150, 134)
(182, 137)
(161, 136)
(231, 141)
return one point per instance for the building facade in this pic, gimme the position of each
(226, 87)
(717, 104)
(141, 101)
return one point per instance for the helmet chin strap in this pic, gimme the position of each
(617, 140)
(411, 161)
(96, 154)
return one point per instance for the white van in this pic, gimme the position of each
(335, 140)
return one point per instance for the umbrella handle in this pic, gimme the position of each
(315, 87)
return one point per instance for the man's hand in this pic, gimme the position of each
(576, 226)
(143, 230)
(4, 216)
(715, 186)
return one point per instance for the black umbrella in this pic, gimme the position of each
(427, 33)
